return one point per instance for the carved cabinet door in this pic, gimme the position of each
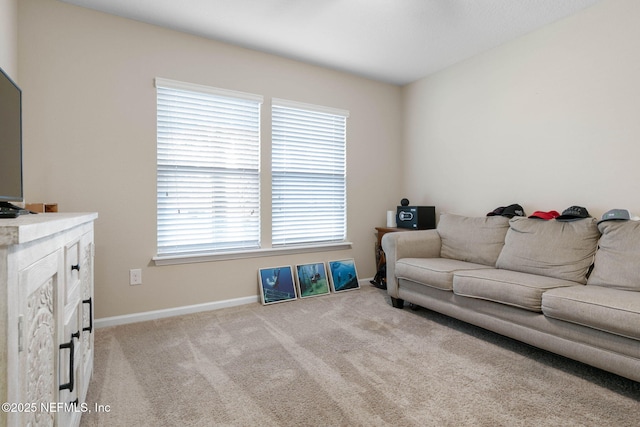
(38, 342)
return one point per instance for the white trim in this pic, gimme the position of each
(302, 106)
(171, 312)
(257, 253)
(106, 322)
(193, 87)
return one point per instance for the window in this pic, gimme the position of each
(208, 169)
(308, 173)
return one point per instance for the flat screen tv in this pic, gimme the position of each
(10, 141)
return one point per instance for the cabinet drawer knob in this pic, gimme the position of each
(75, 267)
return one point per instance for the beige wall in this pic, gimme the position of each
(90, 140)
(9, 37)
(549, 120)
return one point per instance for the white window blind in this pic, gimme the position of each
(208, 175)
(308, 173)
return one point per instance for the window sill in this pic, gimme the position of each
(257, 253)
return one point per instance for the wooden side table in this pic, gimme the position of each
(380, 279)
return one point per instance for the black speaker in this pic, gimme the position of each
(416, 217)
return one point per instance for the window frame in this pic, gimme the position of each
(175, 258)
(309, 151)
(214, 121)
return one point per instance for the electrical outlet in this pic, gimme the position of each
(135, 276)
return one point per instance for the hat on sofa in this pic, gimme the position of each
(545, 215)
(513, 210)
(508, 211)
(573, 213)
(616, 214)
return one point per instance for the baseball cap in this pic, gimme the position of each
(513, 210)
(615, 214)
(508, 211)
(545, 215)
(573, 213)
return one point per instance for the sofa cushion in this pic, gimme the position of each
(433, 272)
(472, 239)
(616, 264)
(564, 250)
(606, 309)
(522, 290)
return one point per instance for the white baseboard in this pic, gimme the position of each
(170, 312)
(178, 311)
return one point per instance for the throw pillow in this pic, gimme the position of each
(564, 250)
(616, 265)
(472, 239)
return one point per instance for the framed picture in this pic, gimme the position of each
(343, 275)
(312, 279)
(276, 284)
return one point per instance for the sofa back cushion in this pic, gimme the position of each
(564, 250)
(616, 265)
(472, 239)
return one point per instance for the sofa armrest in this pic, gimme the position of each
(408, 244)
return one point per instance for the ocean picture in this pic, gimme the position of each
(276, 284)
(312, 280)
(343, 275)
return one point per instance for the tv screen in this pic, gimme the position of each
(10, 139)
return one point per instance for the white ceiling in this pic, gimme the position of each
(394, 41)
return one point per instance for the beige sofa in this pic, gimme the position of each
(572, 288)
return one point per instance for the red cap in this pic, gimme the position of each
(545, 215)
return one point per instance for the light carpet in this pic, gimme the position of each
(347, 359)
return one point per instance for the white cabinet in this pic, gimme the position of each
(46, 318)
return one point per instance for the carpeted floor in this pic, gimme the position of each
(346, 359)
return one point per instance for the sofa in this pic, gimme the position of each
(568, 287)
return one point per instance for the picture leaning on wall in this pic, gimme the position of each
(343, 275)
(312, 280)
(276, 284)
